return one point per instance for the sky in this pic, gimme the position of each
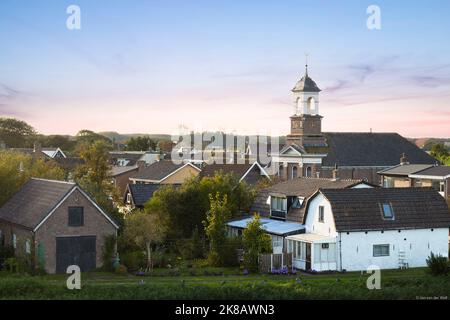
(140, 66)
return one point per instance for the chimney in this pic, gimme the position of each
(141, 165)
(403, 160)
(335, 172)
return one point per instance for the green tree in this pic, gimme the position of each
(93, 176)
(140, 144)
(215, 228)
(89, 137)
(16, 168)
(441, 153)
(16, 133)
(255, 241)
(145, 230)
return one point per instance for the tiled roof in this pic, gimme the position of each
(360, 209)
(435, 171)
(34, 201)
(141, 192)
(300, 187)
(405, 169)
(371, 149)
(118, 170)
(157, 171)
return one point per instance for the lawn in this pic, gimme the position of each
(395, 284)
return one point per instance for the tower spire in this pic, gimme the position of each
(306, 64)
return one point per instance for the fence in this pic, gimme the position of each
(275, 261)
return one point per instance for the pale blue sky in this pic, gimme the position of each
(148, 66)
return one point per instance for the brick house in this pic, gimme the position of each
(58, 222)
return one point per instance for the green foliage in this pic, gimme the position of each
(215, 228)
(16, 168)
(396, 285)
(230, 252)
(192, 248)
(93, 175)
(140, 144)
(438, 265)
(65, 143)
(186, 206)
(108, 252)
(121, 269)
(16, 133)
(441, 153)
(5, 253)
(165, 145)
(145, 229)
(89, 137)
(133, 260)
(255, 242)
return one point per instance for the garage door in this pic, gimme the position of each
(78, 251)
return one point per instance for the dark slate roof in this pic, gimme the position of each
(404, 169)
(371, 149)
(34, 201)
(157, 171)
(300, 187)
(436, 171)
(132, 156)
(360, 209)
(141, 192)
(306, 84)
(237, 169)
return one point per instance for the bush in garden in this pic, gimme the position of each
(134, 260)
(5, 253)
(437, 264)
(255, 241)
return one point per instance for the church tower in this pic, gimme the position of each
(306, 123)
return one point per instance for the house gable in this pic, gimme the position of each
(311, 219)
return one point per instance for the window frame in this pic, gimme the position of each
(383, 211)
(321, 215)
(70, 221)
(380, 253)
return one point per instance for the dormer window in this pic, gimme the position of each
(387, 211)
(278, 207)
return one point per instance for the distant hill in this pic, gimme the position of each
(123, 137)
(426, 143)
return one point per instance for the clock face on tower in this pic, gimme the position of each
(295, 124)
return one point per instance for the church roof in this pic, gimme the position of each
(306, 84)
(371, 149)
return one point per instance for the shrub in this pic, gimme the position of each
(121, 269)
(108, 254)
(437, 264)
(5, 253)
(230, 255)
(134, 260)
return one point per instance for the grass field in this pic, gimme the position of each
(395, 284)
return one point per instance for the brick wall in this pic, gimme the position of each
(95, 224)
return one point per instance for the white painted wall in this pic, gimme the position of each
(357, 247)
(312, 224)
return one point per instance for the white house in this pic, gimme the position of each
(352, 229)
(282, 207)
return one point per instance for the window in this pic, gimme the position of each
(14, 241)
(325, 245)
(294, 172)
(381, 250)
(441, 187)
(388, 213)
(28, 246)
(278, 206)
(308, 172)
(321, 214)
(297, 203)
(76, 216)
(128, 197)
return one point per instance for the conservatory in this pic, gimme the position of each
(313, 251)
